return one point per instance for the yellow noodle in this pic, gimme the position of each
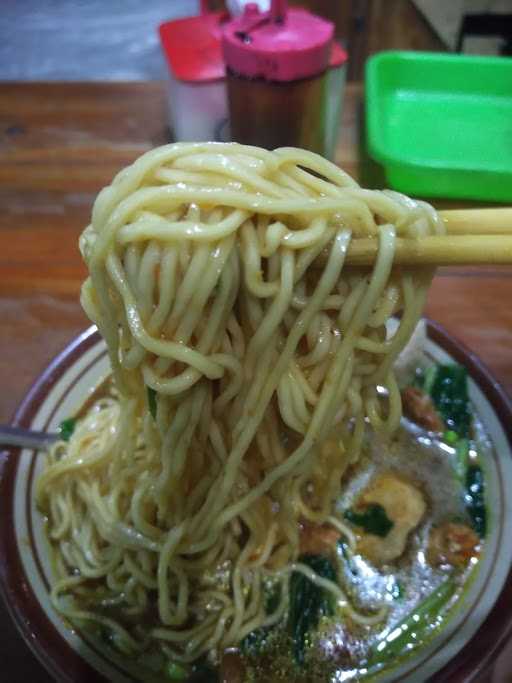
(205, 282)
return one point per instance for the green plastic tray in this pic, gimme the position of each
(441, 124)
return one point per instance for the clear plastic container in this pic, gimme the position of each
(197, 111)
(197, 101)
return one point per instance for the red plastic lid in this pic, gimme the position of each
(339, 55)
(294, 45)
(192, 47)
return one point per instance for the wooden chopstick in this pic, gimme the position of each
(496, 221)
(474, 237)
(442, 250)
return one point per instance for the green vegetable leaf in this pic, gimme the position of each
(308, 602)
(449, 391)
(429, 377)
(461, 459)
(474, 498)
(152, 401)
(409, 631)
(66, 428)
(372, 519)
(254, 641)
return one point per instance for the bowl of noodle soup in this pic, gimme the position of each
(74, 653)
(302, 529)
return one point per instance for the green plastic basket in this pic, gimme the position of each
(441, 124)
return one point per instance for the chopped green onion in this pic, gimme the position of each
(66, 428)
(152, 401)
(450, 437)
(176, 672)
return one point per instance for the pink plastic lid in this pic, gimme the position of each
(279, 45)
(192, 47)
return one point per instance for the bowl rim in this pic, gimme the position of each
(65, 664)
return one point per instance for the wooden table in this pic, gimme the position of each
(60, 143)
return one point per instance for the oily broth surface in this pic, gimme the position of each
(340, 643)
(428, 464)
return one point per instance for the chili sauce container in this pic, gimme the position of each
(285, 78)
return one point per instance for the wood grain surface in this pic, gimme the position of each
(59, 144)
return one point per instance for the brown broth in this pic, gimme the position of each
(342, 647)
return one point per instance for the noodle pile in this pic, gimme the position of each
(247, 359)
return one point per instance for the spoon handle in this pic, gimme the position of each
(15, 436)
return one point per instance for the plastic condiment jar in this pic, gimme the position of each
(197, 101)
(285, 78)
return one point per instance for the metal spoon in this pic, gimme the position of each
(28, 438)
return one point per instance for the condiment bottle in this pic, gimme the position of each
(281, 91)
(197, 101)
